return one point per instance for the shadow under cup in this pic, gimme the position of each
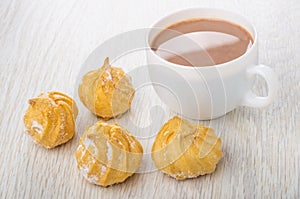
(200, 92)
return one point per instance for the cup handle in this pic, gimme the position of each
(270, 77)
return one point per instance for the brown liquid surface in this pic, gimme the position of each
(202, 42)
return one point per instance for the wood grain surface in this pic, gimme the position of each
(43, 45)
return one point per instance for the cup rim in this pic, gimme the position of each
(204, 67)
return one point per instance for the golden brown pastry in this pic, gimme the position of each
(184, 150)
(108, 154)
(107, 92)
(50, 119)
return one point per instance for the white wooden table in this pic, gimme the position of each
(43, 44)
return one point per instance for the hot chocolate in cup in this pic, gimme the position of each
(204, 61)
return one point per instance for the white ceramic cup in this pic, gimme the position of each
(209, 92)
